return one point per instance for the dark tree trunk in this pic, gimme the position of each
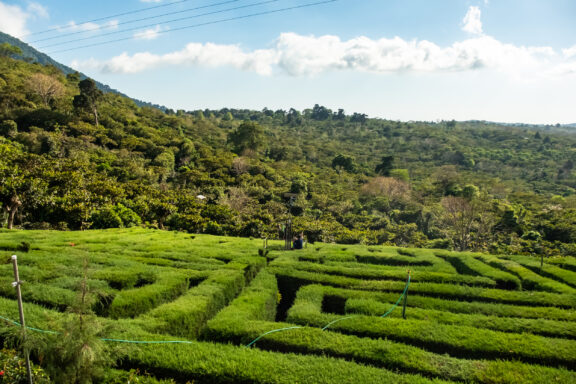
(12, 208)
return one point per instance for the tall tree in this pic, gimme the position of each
(89, 98)
(344, 162)
(459, 216)
(385, 166)
(248, 136)
(47, 87)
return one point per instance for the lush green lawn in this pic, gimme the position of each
(470, 318)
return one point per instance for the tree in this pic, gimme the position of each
(459, 216)
(358, 118)
(8, 128)
(89, 98)
(320, 113)
(344, 162)
(340, 115)
(47, 87)
(293, 117)
(8, 50)
(385, 166)
(392, 189)
(248, 136)
(77, 354)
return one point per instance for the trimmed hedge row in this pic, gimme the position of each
(551, 271)
(169, 285)
(468, 265)
(530, 280)
(205, 362)
(393, 260)
(565, 262)
(543, 327)
(461, 292)
(214, 364)
(355, 302)
(451, 306)
(48, 295)
(231, 325)
(125, 278)
(461, 341)
(186, 315)
(369, 273)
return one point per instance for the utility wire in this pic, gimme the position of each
(104, 18)
(151, 25)
(98, 28)
(203, 24)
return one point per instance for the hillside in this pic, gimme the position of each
(32, 55)
(75, 158)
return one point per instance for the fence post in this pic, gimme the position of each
(405, 297)
(16, 284)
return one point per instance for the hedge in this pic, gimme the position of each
(468, 265)
(462, 341)
(446, 291)
(186, 315)
(530, 280)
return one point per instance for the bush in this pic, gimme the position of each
(117, 216)
(129, 217)
(13, 368)
(106, 218)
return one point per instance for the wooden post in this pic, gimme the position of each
(16, 284)
(405, 297)
(288, 236)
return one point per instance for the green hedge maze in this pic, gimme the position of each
(206, 309)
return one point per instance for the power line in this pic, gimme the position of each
(151, 25)
(98, 28)
(203, 24)
(104, 18)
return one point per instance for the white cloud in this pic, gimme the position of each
(298, 55)
(149, 34)
(471, 22)
(13, 18)
(569, 52)
(194, 54)
(88, 27)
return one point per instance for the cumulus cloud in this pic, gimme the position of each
(472, 22)
(569, 52)
(13, 18)
(298, 55)
(149, 34)
(194, 54)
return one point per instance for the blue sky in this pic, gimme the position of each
(498, 60)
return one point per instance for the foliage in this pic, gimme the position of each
(13, 369)
(76, 355)
(74, 157)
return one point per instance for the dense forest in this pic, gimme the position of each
(73, 157)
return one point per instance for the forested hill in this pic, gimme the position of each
(73, 157)
(30, 54)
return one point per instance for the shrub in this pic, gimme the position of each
(106, 218)
(13, 368)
